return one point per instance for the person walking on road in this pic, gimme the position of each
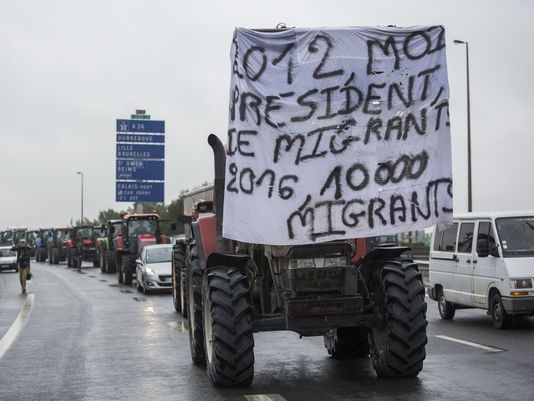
(23, 260)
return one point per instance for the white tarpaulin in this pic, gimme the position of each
(337, 133)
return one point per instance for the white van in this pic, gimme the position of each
(484, 260)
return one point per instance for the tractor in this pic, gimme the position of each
(178, 272)
(31, 236)
(105, 247)
(136, 231)
(57, 245)
(375, 308)
(41, 241)
(81, 245)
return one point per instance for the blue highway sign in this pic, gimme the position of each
(140, 138)
(139, 191)
(147, 126)
(136, 151)
(153, 170)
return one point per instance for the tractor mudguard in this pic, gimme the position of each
(381, 254)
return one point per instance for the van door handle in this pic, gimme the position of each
(468, 261)
(475, 262)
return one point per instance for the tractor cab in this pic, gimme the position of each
(139, 230)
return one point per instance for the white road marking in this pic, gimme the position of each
(18, 324)
(265, 397)
(471, 344)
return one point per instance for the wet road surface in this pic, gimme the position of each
(85, 337)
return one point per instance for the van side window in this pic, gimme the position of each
(485, 237)
(446, 240)
(465, 240)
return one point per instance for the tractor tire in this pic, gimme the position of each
(178, 264)
(183, 289)
(347, 342)
(73, 258)
(111, 262)
(194, 312)
(96, 262)
(227, 318)
(446, 309)
(499, 317)
(103, 267)
(128, 265)
(398, 345)
(120, 278)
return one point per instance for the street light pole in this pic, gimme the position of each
(469, 183)
(81, 174)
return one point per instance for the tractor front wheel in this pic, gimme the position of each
(128, 265)
(398, 344)
(227, 316)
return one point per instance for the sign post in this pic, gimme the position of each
(140, 159)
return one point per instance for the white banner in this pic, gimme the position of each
(337, 133)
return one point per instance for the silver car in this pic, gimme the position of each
(8, 259)
(153, 269)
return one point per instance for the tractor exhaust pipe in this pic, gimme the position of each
(219, 158)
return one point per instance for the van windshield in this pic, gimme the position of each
(516, 235)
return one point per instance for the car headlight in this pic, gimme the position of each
(518, 283)
(149, 271)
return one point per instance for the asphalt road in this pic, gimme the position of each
(81, 336)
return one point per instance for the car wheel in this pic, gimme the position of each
(499, 317)
(446, 309)
(145, 287)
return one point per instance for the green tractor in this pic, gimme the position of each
(105, 245)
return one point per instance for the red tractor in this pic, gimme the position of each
(178, 272)
(81, 246)
(375, 308)
(137, 231)
(57, 245)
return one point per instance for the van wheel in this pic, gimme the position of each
(446, 309)
(499, 317)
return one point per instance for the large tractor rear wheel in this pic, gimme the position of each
(177, 268)
(111, 262)
(194, 312)
(120, 277)
(347, 342)
(227, 316)
(128, 266)
(103, 267)
(398, 345)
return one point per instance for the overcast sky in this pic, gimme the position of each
(70, 68)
